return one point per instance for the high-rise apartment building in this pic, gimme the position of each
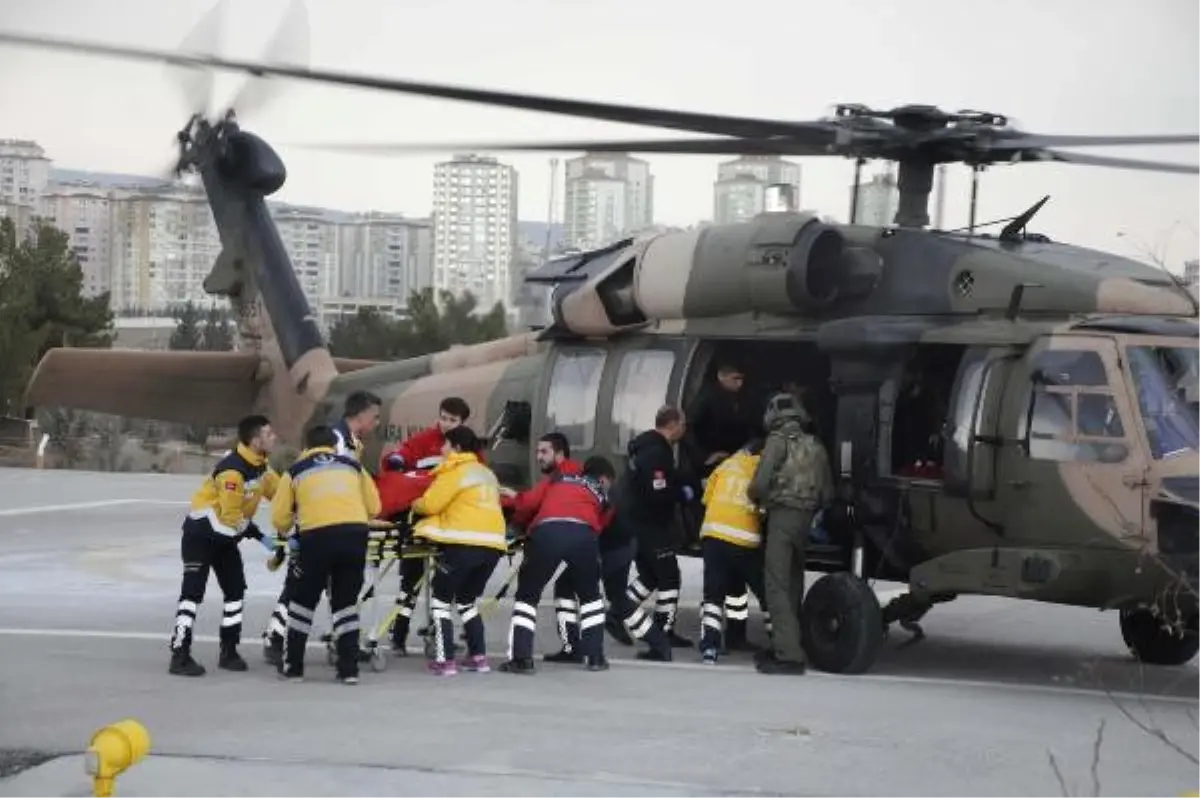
(878, 199)
(384, 255)
(151, 243)
(83, 210)
(607, 196)
(310, 236)
(741, 186)
(474, 227)
(164, 244)
(24, 173)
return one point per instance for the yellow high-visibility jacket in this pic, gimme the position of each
(323, 489)
(730, 515)
(230, 496)
(462, 506)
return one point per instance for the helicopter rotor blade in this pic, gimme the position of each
(711, 124)
(1029, 140)
(197, 84)
(289, 46)
(698, 146)
(1105, 160)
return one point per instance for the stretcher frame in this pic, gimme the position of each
(382, 554)
(384, 550)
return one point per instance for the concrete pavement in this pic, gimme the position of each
(88, 579)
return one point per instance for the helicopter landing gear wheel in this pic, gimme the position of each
(842, 624)
(1151, 642)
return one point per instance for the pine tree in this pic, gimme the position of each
(42, 305)
(188, 335)
(218, 331)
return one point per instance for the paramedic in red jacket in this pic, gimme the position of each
(452, 412)
(397, 492)
(566, 524)
(553, 459)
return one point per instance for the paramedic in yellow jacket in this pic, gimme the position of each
(462, 515)
(330, 499)
(731, 538)
(221, 516)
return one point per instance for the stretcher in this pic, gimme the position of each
(385, 548)
(387, 545)
(487, 605)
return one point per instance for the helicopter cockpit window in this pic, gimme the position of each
(1072, 416)
(1166, 382)
(641, 390)
(574, 388)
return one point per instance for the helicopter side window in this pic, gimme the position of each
(642, 383)
(574, 388)
(1072, 415)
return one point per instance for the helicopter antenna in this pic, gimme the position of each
(1013, 231)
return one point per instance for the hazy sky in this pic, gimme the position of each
(1052, 66)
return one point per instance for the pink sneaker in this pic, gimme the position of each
(477, 663)
(443, 668)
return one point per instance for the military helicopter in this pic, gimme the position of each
(1060, 380)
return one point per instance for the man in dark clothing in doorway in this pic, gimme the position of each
(723, 416)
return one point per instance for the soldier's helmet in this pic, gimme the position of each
(784, 405)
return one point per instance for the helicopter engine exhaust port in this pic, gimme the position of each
(781, 263)
(252, 164)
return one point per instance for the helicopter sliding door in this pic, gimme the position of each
(1074, 472)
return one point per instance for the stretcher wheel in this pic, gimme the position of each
(379, 661)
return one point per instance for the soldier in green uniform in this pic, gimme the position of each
(791, 482)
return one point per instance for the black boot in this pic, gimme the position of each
(599, 663)
(676, 640)
(230, 659)
(655, 655)
(273, 651)
(735, 635)
(565, 656)
(659, 642)
(773, 665)
(521, 666)
(182, 664)
(618, 631)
